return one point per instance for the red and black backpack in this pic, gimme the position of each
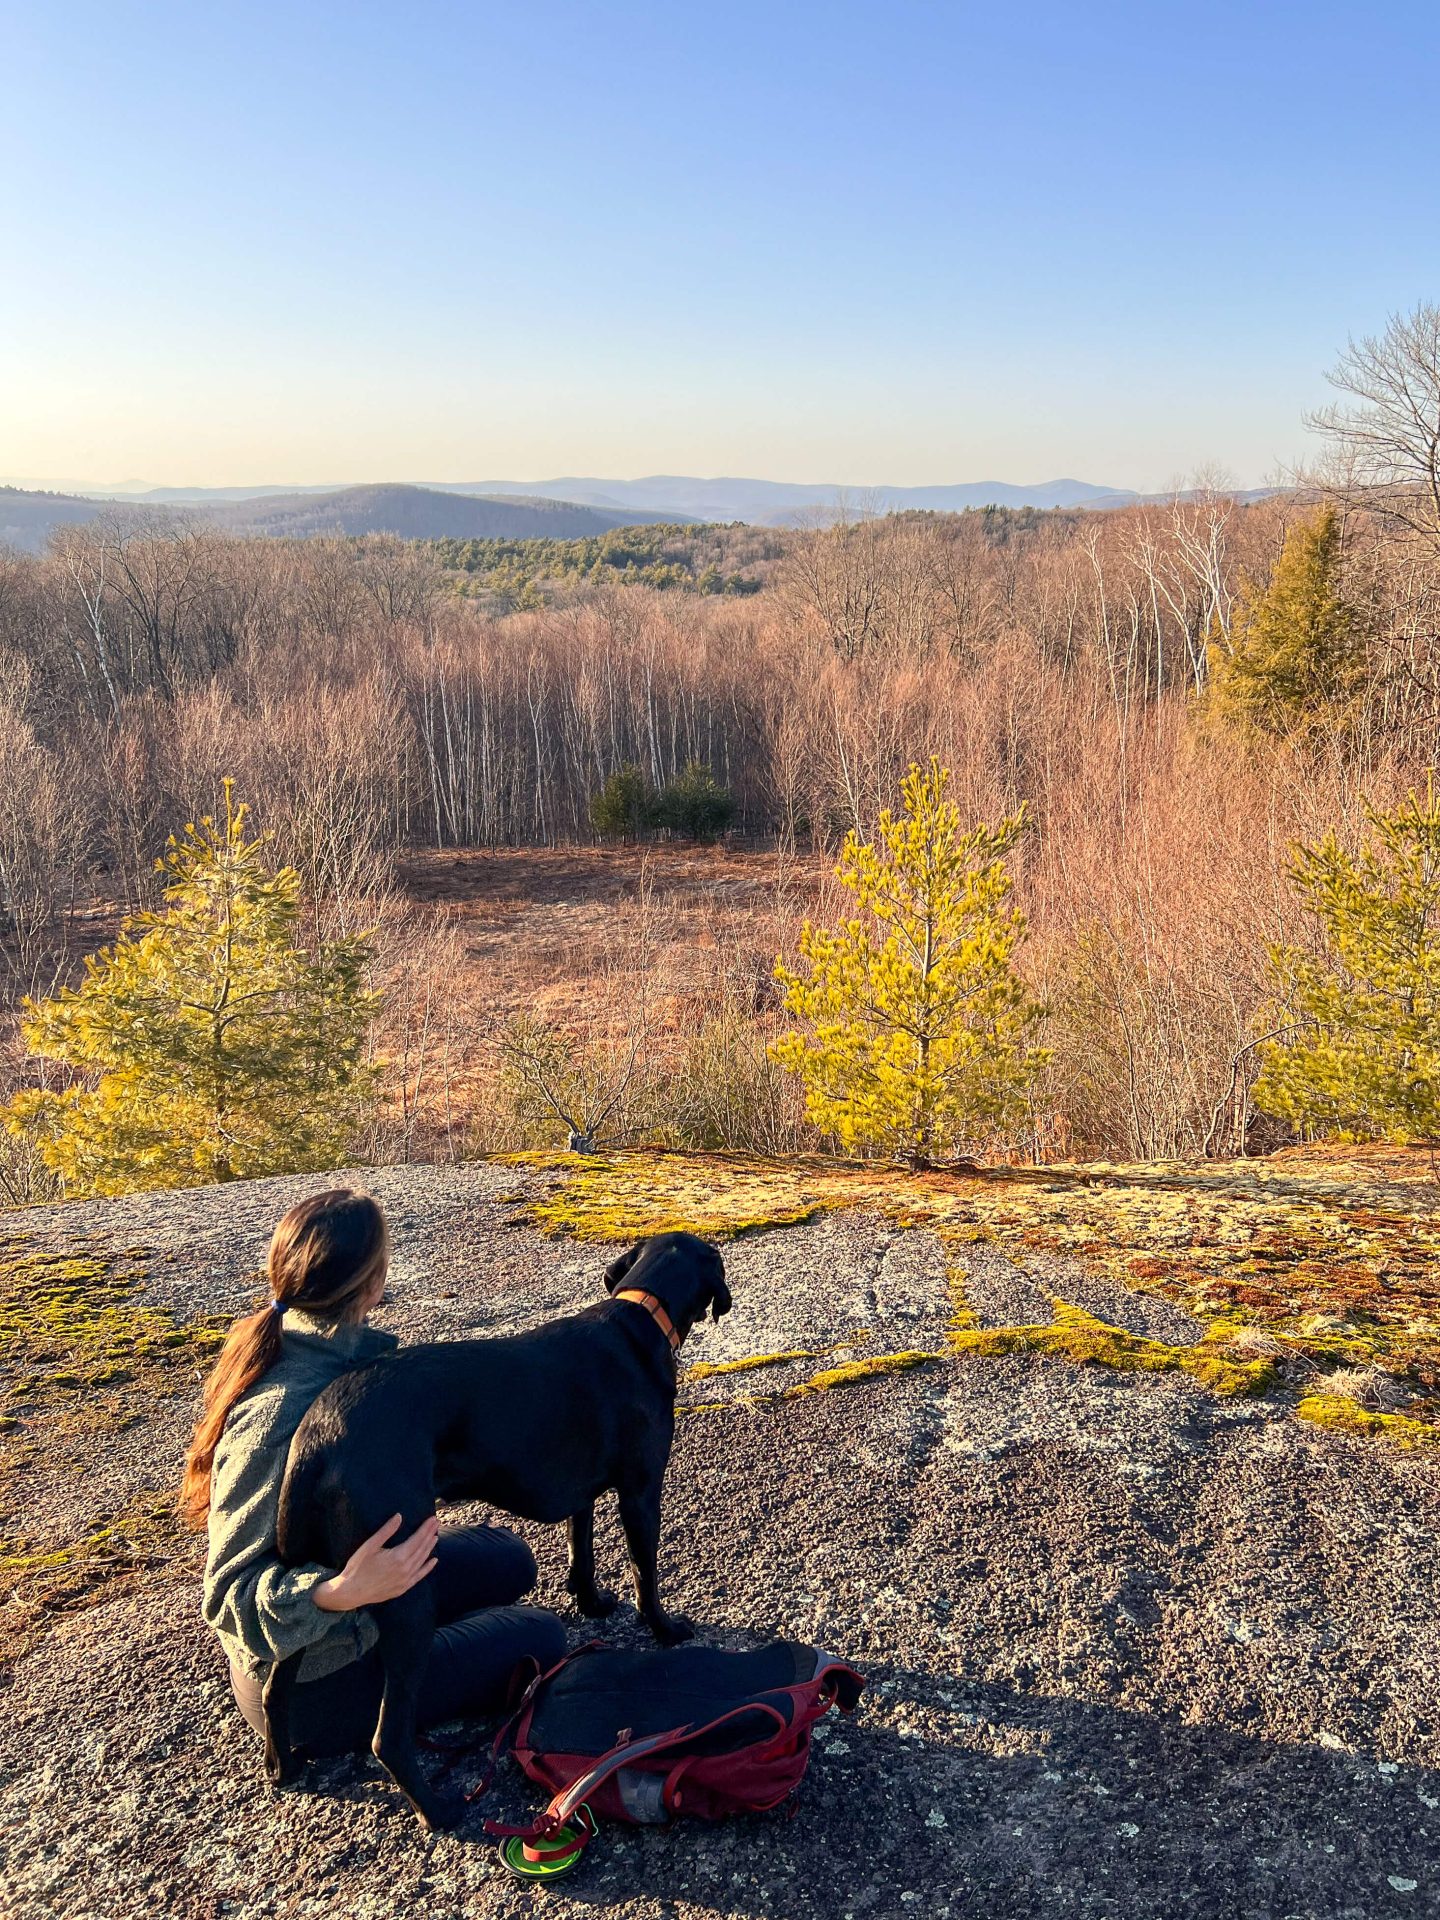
(644, 1736)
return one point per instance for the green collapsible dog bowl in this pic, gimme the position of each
(549, 1859)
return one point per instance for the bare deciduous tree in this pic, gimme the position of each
(1385, 441)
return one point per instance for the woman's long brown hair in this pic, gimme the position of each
(325, 1256)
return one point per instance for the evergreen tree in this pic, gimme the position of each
(623, 807)
(695, 804)
(918, 1033)
(1293, 653)
(1362, 1053)
(214, 1048)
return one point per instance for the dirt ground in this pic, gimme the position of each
(1132, 1650)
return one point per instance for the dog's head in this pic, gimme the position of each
(685, 1274)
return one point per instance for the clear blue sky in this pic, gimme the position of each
(900, 243)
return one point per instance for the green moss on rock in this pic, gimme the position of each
(70, 1324)
(627, 1197)
(82, 1355)
(1080, 1337)
(1335, 1410)
(869, 1368)
(708, 1369)
(851, 1373)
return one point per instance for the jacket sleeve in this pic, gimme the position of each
(250, 1595)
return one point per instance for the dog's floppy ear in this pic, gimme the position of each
(617, 1269)
(720, 1300)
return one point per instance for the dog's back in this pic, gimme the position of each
(378, 1441)
(315, 1521)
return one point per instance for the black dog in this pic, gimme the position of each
(537, 1423)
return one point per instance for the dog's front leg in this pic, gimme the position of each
(595, 1602)
(640, 1517)
(407, 1626)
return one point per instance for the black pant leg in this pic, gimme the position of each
(473, 1660)
(472, 1656)
(467, 1676)
(479, 1567)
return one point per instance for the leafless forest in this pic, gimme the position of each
(428, 766)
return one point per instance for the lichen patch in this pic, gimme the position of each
(82, 1355)
(1332, 1259)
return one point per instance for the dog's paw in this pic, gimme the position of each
(671, 1629)
(441, 1812)
(598, 1604)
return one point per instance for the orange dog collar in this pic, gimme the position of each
(656, 1312)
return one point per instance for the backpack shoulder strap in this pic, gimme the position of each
(566, 1803)
(518, 1719)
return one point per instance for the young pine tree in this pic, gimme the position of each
(695, 804)
(213, 1047)
(1293, 655)
(1361, 1056)
(918, 1032)
(623, 807)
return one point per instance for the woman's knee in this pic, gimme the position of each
(513, 1565)
(477, 1664)
(544, 1636)
(248, 1698)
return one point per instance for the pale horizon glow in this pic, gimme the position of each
(324, 244)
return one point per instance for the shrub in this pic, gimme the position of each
(1293, 653)
(595, 1087)
(221, 1050)
(695, 804)
(1360, 1054)
(622, 809)
(728, 1093)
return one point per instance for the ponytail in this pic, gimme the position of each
(251, 1348)
(325, 1256)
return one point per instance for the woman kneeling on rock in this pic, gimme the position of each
(327, 1264)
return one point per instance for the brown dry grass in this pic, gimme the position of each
(581, 939)
(538, 924)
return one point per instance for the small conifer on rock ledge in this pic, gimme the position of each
(918, 1033)
(207, 1044)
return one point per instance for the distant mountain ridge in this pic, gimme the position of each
(28, 519)
(680, 497)
(416, 513)
(566, 509)
(789, 502)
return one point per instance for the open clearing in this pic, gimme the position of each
(1144, 1633)
(537, 923)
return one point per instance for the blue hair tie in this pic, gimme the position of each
(277, 1306)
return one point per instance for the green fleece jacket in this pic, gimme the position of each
(262, 1610)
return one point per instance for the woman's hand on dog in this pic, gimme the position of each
(375, 1572)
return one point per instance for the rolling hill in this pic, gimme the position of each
(656, 497)
(28, 519)
(566, 509)
(415, 513)
(784, 502)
